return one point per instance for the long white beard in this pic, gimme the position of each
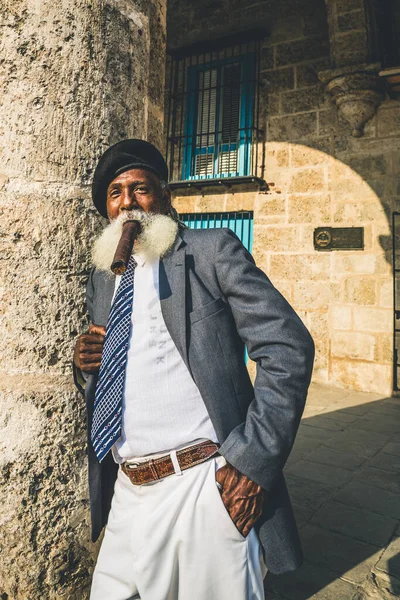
(155, 240)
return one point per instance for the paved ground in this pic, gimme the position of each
(344, 480)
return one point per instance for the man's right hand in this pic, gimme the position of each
(88, 349)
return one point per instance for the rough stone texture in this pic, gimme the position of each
(350, 40)
(74, 79)
(44, 511)
(318, 175)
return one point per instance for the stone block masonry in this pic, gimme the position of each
(74, 79)
(330, 179)
(321, 176)
(352, 290)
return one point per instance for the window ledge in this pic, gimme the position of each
(227, 182)
(392, 78)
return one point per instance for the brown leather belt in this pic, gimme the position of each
(158, 468)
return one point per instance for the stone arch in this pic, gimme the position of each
(345, 297)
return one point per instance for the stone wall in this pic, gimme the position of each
(319, 175)
(75, 77)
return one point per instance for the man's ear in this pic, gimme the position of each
(167, 199)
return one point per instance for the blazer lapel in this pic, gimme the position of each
(105, 294)
(173, 295)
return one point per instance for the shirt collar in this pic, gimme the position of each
(140, 259)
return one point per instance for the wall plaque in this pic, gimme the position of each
(339, 238)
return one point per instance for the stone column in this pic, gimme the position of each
(353, 81)
(75, 77)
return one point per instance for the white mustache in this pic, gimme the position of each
(155, 240)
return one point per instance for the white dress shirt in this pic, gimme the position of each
(162, 408)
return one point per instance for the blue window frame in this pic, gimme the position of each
(241, 223)
(219, 118)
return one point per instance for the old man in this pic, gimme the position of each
(185, 454)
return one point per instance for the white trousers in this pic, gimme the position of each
(174, 540)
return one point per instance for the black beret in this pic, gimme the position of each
(125, 155)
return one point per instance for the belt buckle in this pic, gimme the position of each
(132, 466)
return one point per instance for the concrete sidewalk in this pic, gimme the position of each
(344, 480)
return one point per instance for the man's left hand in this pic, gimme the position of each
(243, 499)
(89, 348)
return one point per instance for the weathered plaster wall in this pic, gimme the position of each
(74, 78)
(319, 176)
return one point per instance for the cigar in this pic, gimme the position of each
(130, 231)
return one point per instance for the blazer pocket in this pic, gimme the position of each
(207, 310)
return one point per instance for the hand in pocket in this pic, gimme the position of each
(243, 499)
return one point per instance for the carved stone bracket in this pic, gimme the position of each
(357, 91)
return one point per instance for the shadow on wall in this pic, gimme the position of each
(345, 297)
(371, 174)
(353, 190)
(344, 480)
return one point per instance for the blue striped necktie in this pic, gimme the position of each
(107, 413)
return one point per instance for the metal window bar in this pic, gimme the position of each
(214, 99)
(396, 299)
(241, 223)
(182, 114)
(210, 120)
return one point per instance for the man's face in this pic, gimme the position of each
(137, 189)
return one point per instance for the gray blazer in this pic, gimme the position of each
(214, 300)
